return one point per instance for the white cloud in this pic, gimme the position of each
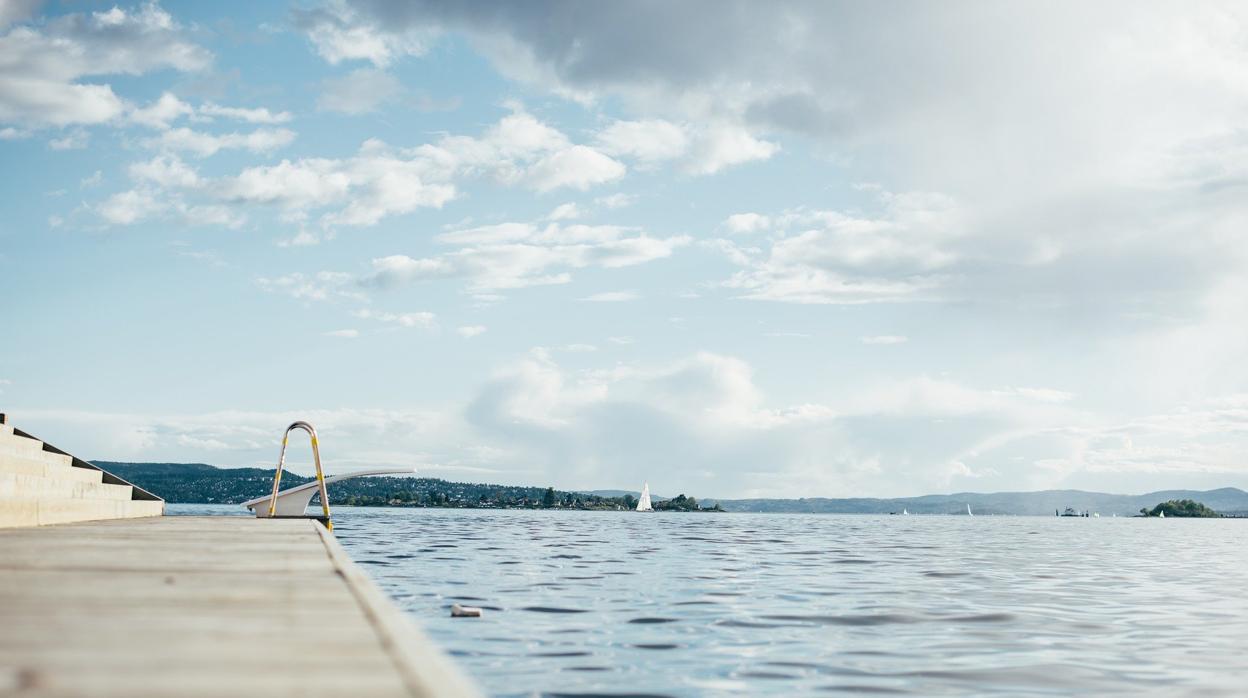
(129, 207)
(612, 297)
(884, 339)
(519, 255)
(344, 334)
(618, 200)
(253, 115)
(167, 109)
(901, 254)
(322, 286)
(205, 144)
(74, 140)
(421, 320)
(723, 146)
(577, 167)
(742, 223)
(165, 171)
(650, 140)
(47, 61)
(470, 331)
(564, 212)
(161, 113)
(699, 150)
(358, 92)
(382, 181)
(340, 33)
(358, 437)
(93, 181)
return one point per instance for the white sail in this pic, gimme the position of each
(905, 512)
(643, 502)
(1161, 514)
(968, 510)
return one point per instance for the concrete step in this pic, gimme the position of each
(16, 466)
(23, 453)
(53, 510)
(20, 442)
(40, 487)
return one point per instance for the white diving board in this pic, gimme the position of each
(294, 501)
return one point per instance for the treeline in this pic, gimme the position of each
(199, 483)
(1182, 508)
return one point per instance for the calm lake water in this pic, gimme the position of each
(604, 603)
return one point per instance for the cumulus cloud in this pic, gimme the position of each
(900, 254)
(168, 108)
(204, 144)
(381, 180)
(707, 426)
(470, 331)
(696, 150)
(519, 255)
(743, 223)
(340, 32)
(43, 85)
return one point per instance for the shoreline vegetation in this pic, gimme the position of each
(199, 483)
(1183, 509)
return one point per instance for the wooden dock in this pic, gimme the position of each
(203, 606)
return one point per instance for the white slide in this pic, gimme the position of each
(294, 501)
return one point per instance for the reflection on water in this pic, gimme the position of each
(604, 603)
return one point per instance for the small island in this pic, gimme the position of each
(1182, 508)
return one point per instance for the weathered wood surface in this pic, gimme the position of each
(210, 606)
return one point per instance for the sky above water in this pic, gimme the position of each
(729, 248)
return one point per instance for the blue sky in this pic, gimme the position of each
(733, 249)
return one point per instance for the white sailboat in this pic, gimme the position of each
(643, 502)
(968, 510)
(905, 512)
(1161, 514)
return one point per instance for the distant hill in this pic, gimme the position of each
(1227, 499)
(202, 483)
(199, 483)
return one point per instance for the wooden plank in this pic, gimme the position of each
(195, 606)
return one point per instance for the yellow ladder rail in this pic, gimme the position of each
(320, 474)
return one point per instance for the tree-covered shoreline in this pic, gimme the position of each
(1182, 508)
(199, 483)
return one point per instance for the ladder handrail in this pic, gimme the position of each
(320, 474)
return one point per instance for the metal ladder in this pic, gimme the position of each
(320, 475)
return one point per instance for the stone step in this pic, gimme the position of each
(40, 487)
(23, 453)
(53, 510)
(17, 466)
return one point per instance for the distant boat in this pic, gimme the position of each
(968, 510)
(905, 512)
(1161, 514)
(643, 502)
